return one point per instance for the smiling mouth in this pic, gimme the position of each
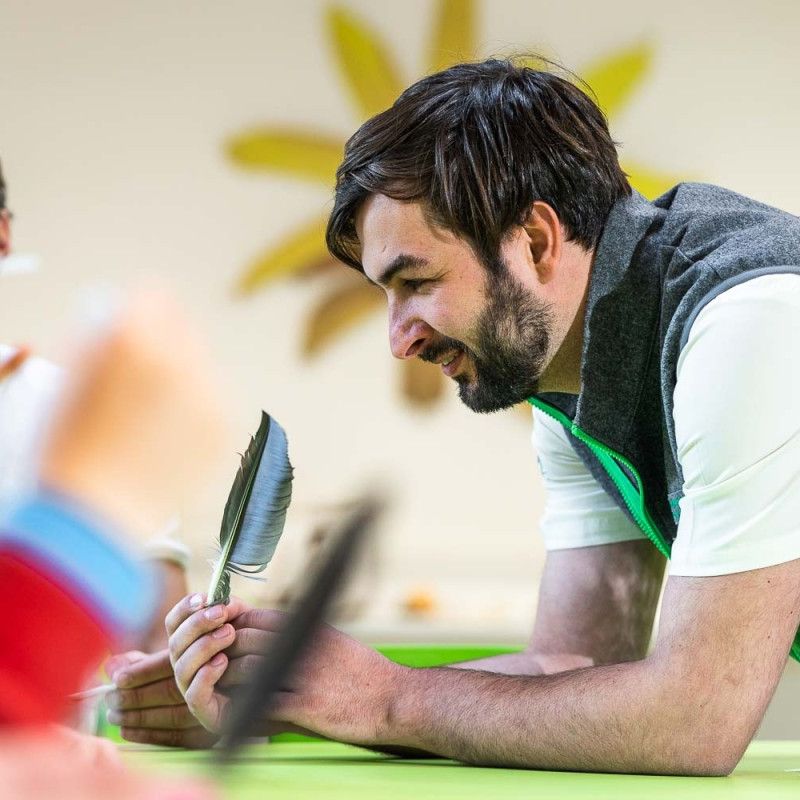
(450, 366)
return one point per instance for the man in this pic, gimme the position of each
(658, 343)
(28, 389)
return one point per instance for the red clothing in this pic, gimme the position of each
(50, 643)
(71, 591)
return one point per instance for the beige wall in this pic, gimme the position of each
(112, 119)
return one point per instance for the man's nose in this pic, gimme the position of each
(408, 338)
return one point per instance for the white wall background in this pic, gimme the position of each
(112, 119)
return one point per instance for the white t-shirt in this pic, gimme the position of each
(737, 426)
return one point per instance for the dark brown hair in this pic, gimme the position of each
(478, 144)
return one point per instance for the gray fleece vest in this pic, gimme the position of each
(656, 266)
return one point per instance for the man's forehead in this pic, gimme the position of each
(383, 215)
(388, 228)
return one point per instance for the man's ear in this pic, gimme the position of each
(546, 237)
(5, 233)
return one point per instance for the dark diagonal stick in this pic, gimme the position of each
(256, 697)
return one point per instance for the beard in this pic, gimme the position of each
(512, 338)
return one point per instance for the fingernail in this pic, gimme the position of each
(122, 679)
(195, 601)
(218, 660)
(112, 701)
(215, 612)
(221, 633)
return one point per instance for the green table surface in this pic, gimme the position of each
(315, 769)
(298, 770)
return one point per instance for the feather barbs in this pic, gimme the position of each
(255, 512)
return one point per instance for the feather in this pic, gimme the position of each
(252, 699)
(255, 513)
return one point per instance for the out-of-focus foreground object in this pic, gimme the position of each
(141, 418)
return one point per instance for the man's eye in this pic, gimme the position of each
(414, 284)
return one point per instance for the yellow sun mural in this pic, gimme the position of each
(374, 81)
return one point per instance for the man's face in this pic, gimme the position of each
(491, 333)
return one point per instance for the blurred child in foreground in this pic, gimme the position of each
(136, 428)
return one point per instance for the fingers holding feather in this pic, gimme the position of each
(208, 705)
(200, 652)
(194, 606)
(181, 610)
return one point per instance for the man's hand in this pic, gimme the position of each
(147, 704)
(340, 689)
(174, 586)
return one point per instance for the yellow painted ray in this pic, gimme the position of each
(302, 248)
(614, 78)
(650, 182)
(453, 37)
(366, 64)
(339, 312)
(302, 154)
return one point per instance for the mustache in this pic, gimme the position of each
(434, 351)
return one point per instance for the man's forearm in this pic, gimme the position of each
(618, 718)
(522, 663)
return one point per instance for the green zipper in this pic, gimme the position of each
(610, 461)
(632, 495)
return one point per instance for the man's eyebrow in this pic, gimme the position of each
(403, 261)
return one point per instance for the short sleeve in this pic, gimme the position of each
(578, 511)
(737, 425)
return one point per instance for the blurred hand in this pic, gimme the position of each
(172, 578)
(341, 689)
(147, 704)
(56, 762)
(140, 420)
